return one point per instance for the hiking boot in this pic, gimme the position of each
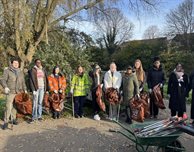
(31, 121)
(77, 116)
(5, 126)
(40, 119)
(15, 122)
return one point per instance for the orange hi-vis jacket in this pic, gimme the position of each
(57, 83)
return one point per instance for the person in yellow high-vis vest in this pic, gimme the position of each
(79, 90)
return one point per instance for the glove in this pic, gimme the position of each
(7, 90)
(55, 91)
(161, 85)
(61, 91)
(34, 93)
(101, 85)
(150, 90)
(138, 96)
(71, 91)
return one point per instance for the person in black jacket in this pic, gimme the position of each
(178, 91)
(191, 87)
(155, 77)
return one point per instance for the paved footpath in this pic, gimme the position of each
(72, 135)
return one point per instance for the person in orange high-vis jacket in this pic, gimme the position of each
(57, 84)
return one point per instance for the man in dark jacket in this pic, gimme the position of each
(38, 85)
(155, 77)
(13, 82)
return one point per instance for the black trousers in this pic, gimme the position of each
(153, 108)
(78, 104)
(56, 114)
(128, 112)
(95, 105)
(173, 113)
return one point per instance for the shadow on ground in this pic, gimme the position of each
(67, 139)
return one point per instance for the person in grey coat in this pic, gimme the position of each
(130, 87)
(13, 82)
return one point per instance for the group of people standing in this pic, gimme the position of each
(129, 84)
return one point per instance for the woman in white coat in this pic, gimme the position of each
(113, 79)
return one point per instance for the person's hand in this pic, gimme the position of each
(101, 85)
(34, 93)
(138, 96)
(55, 91)
(47, 92)
(140, 89)
(25, 91)
(7, 90)
(150, 90)
(71, 91)
(60, 91)
(121, 92)
(161, 85)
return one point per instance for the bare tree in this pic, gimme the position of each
(26, 23)
(151, 32)
(181, 21)
(113, 28)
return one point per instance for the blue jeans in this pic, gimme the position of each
(37, 103)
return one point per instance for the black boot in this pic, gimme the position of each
(5, 126)
(58, 115)
(54, 114)
(15, 122)
(129, 121)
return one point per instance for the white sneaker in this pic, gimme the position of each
(96, 117)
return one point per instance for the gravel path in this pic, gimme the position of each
(72, 135)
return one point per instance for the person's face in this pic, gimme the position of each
(129, 71)
(15, 64)
(38, 63)
(57, 70)
(137, 64)
(157, 64)
(97, 71)
(113, 67)
(80, 70)
(179, 67)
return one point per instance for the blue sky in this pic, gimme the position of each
(141, 22)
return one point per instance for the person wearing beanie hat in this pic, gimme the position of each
(155, 76)
(130, 88)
